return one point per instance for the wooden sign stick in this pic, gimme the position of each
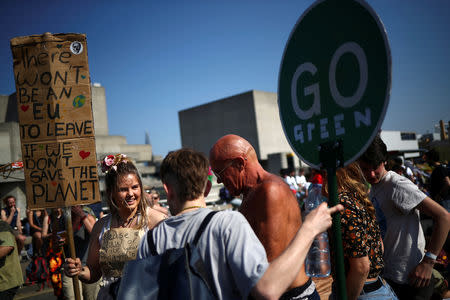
(73, 255)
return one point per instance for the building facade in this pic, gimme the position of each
(254, 115)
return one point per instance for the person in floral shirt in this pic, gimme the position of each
(362, 243)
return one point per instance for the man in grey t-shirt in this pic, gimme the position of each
(235, 259)
(398, 203)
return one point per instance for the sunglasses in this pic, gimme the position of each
(217, 174)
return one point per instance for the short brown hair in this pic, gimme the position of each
(376, 153)
(186, 170)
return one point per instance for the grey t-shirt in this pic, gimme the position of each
(229, 248)
(395, 199)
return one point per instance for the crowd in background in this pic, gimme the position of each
(39, 236)
(427, 173)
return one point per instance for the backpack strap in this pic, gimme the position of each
(203, 226)
(151, 243)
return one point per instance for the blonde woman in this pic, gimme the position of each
(115, 238)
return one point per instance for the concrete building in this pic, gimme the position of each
(252, 115)
(405, 143)
(10, 146)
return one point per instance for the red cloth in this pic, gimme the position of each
(317, 179)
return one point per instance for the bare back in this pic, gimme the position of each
(273, 212)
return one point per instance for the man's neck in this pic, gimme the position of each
(191, 205)
(383, 175)
(253, 181)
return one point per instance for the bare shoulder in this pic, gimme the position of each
(154, 217)
(273, 185)
(273, 190)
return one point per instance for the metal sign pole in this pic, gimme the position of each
(331, 158)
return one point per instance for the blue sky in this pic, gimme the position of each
(155, 58)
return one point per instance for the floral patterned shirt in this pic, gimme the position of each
(360, 234)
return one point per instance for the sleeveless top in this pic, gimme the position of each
(117, 246)
(14, 219)
(38, 221)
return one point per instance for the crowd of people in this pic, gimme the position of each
(259, 251)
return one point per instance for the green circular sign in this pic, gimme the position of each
(335, 79)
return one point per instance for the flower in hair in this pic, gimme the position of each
(111, 161)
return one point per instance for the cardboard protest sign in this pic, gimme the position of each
(119, 246)
(60, 173)
(56, 124)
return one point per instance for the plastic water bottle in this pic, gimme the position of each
(317, 262)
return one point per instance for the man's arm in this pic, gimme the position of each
(89, 222)
(18, 221)
(84, 216)
(8, 219)
(441, 226)
(421, 275)
(283, 270)
(5, 250)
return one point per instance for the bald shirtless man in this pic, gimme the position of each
(268, 204)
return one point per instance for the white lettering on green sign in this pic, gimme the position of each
(354, 48)
(360, 118)
(309, 90)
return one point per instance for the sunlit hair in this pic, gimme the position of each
(124, 168)
(186, 170)
(351, 179)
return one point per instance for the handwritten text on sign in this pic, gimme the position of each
(55, 115)
(121, 245)
(60, 173)
(53, 88)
